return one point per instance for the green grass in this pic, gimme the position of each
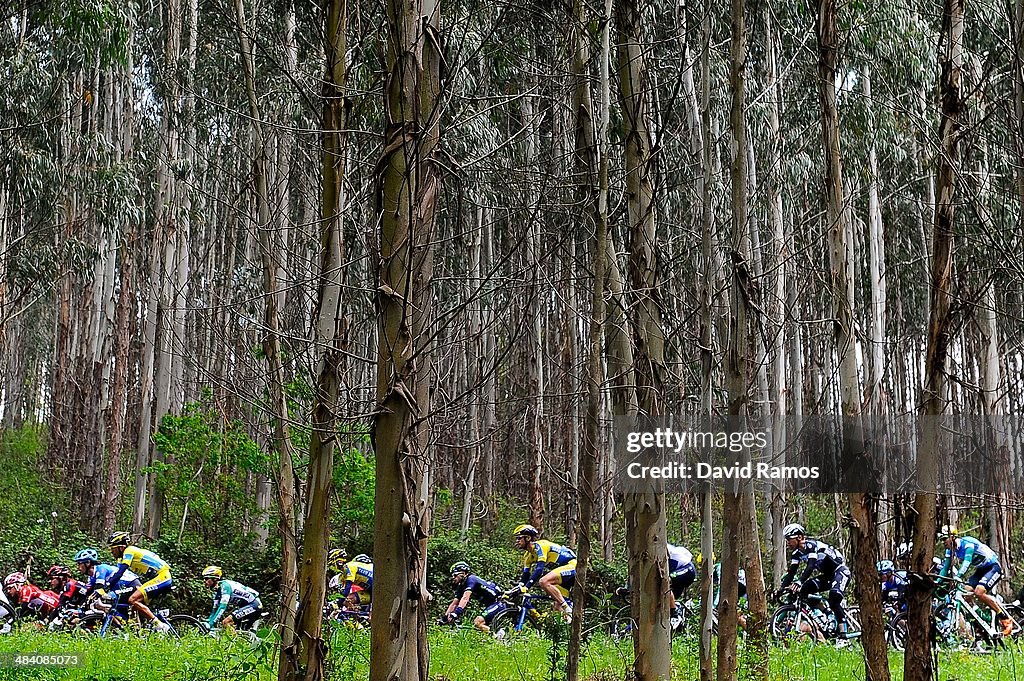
(460, 655)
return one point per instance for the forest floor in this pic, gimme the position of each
(455, 656)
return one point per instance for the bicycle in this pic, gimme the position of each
(957, 617)
(120, 620)
(810, 619)
(522, 609)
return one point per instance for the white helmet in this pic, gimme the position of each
(793, 530)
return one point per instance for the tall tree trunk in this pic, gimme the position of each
(864, 528)
(408, 183)
(592, 168)
(644, 510)
(918, 659)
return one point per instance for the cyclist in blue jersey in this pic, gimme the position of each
(833, 575)
(229, 593)
(550, 566)
(468, 586)
(970, 554)
(148, 566)
(894, 583)
(97, 574)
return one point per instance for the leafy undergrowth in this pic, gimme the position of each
(461, 655)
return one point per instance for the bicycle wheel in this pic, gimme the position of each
(504, 623)
(896, 632)
(183, 626)
(88, 625)
(790, 624)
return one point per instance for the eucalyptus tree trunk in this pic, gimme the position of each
(272, 351)
(864, 528)
(709, 304)
(591, 161)
(408, 183)
(917, 658)
(644, 510)
(991, 382)
(780, 387)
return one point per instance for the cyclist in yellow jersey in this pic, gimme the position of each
(155, 572)
(550, 566)
(356, 581)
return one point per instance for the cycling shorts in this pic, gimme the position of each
(493, 610)
(987, 576)
(565, 576)
(681, 579)
(248, 613)
(160, 584)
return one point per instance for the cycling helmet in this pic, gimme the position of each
(793, 530)
(14, 579)
(904, 550)
(119, 539)
(213, 572)
(335, 556)
(58, 571)
(362, 558)
(885, 566)
(526, 531)
(947, 532)
(461, 566)
(87, 556)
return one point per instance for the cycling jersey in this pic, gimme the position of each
(679, 559)
(354, 574)
(36, 600)
(482, 590)
(895, 587)
(818, 555)
(74, 592)
(968, 552)
(544, 557)
(149, 566)
(101, 575)
(232, 593)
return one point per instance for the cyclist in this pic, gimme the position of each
(227, 593)
(550, 566)
(894, 583)
(356, 582)
(468, 586)
(71, 591)
(29, 598)
(970, 553)
(148, 566)
(336, 559)
(96, 573)
(681, 574)
(833, 574)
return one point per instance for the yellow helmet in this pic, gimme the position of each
(213, 572)
(948, 531)
(526, 531)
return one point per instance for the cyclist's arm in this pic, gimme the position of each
(115, 577)
(965, 564)
(947, 563)
(220, 604)
(793, 566)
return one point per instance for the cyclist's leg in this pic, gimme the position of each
(984, 580)
(840, 580)
(483, 621)
(244, 616)
(680, 581)
(140, 598)
(741, 594)
(564, 576)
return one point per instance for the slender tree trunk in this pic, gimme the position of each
(592, 168)
(864, 528)
(918, 658)
(408, 184)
